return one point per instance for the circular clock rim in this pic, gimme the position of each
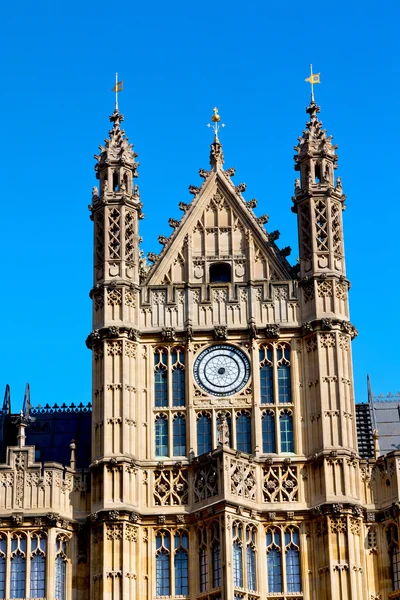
(228, 392)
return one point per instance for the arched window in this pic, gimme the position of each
(283, 363)
(160, 378)
(243, 432)
(220, 273)
(18, 566)
(292, 550)
(203, 433)
(161, 435)
(286, 427)
(3, 551)
(61, 568)
(268, 432)
(251, 558)
(216, 562)
(237, 552)
(179, 435)
(178, 377)
(163, 551)
(394, 552)
(274, 560)
(181, 564)
(266, 375)
(38, 566)
(203, 568)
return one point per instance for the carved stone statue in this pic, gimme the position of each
(223, 431)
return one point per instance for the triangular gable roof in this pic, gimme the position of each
(217, 183)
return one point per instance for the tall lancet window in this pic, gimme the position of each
(61, 568)
(266, 375)
(179, 435)
(237, 554)
(292, 551)
(181, 546)
(274, 560)
(243, 431)
(161, 435)
(3, 555)
(283, 363)
(251, 558)
(394, 553)
(18, 565)
(178, 377)
(160, 378)
(163, 561)
(215, 555)
(204, 442)
(38, 566)
(203, 559)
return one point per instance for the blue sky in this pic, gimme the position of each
(178, 60)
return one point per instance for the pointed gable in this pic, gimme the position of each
(218, 227)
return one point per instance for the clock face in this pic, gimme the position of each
(221, 370)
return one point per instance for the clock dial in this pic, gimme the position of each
(222, 370)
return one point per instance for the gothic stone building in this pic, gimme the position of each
(224, 462)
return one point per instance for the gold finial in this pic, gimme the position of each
(314, 78)
(118, 87)
(216, 125)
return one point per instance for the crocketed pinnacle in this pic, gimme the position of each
(314, 140)
(216, 154)
(117, 149)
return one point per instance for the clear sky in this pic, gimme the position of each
(178, 60)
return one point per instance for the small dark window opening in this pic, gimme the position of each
(126, 182)
(317, 173)
(220, 273)
(115, 182)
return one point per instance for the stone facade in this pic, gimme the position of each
(255, 493)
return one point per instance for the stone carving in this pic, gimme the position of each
(173, 223)
(344, 342)
(163, 240)
(194, 190)
(355, 526)
(325, 288)
(203, 173)
(113, 331)
(206, 481)
(280, 484)
(114, 348)
(272, 330)
(243, 479)
(130, 350)
(220, 332)
(152, 257)
(286, 251)
(311, 344)
(114, 515)
(328, 340)
(280, 292)
(134, 334)
(130, 299)
(184, 207)
(263, 219)
(114, 532)
(326, 323)
(223, 430)
(240, 188)
(114, 297)
(168, 334)
(252, 203)
(170, 487)
(308, 292)
(131, 533)
(338, 525)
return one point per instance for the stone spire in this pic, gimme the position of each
(317, 200)
(116, 208)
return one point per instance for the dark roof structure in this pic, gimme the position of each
(51, 429)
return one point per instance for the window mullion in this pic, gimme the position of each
(283, 563)
(28, 565)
